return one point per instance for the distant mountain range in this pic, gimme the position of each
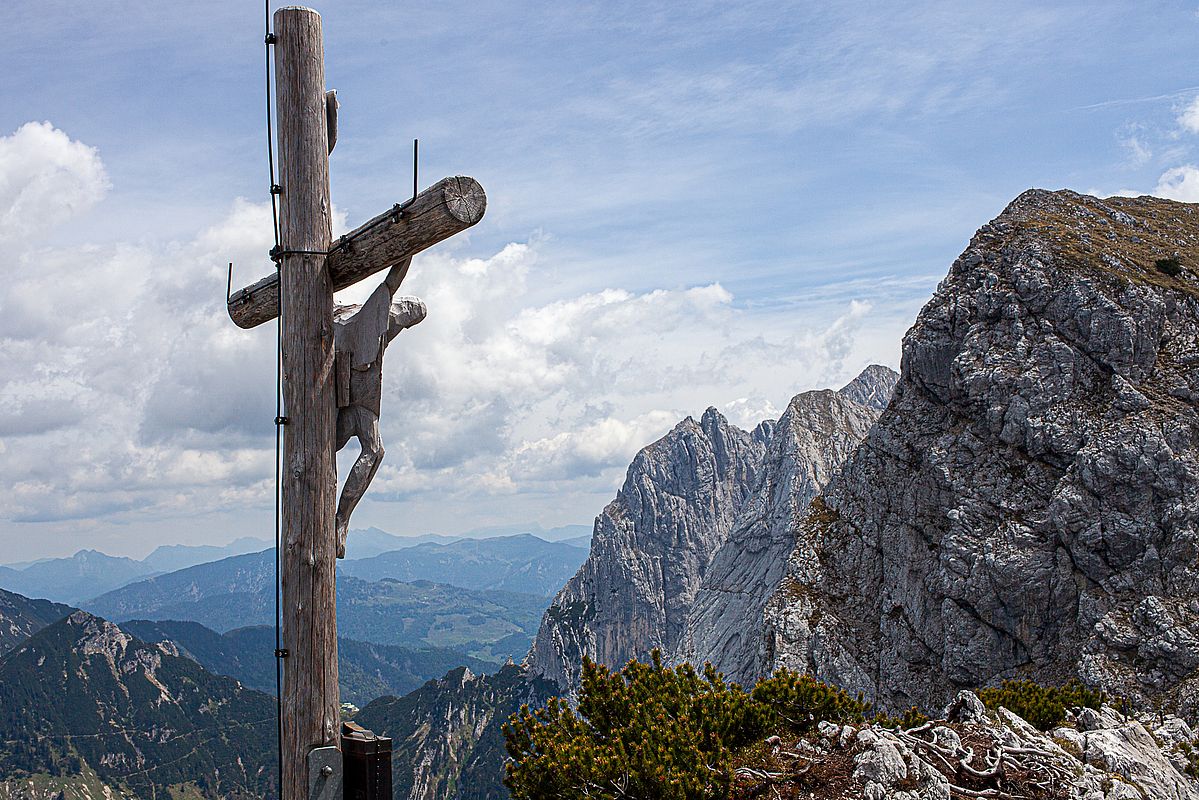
(522, 563)
(90, 573)
(238, 592)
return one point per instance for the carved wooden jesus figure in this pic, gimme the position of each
(360, 335)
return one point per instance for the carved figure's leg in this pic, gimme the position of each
(364, 425)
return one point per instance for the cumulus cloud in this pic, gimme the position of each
(1188, 118)
(1179, 183)
(127, 394)
(45, 179)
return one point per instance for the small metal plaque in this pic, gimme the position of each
(324, 773)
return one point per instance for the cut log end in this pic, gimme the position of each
(465, 199)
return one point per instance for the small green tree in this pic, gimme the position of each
(1043, 707)
(800, 702)
(647, 731)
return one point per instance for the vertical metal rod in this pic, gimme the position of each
(415, 150)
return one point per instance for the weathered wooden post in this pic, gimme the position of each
(311, 702)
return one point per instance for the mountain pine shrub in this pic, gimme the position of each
(1043, 707)
(800, 702)
(659, 733)
(1170, 266)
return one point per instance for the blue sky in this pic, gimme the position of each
(689, 205)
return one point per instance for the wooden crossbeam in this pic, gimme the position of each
(447, 207)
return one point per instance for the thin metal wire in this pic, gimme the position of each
(270, 157)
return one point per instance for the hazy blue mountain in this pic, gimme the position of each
(491, 625)
(84, 705)
(548, 534)
(579, 541)
(366, 670)
(171, 557)
(237, 592)
(90, 573)
(564, 532)
(522, 563)
(238, 587)
(370, 542)
(72, 580)
(21, 617)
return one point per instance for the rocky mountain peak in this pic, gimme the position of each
(95, 636)
(1028, 503)
(649, 549)
(682, 496)
(873, 387)
(815, 434)
(144, 721)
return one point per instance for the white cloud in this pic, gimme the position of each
(127, 396)
(1133, 139)
(1188, 118)
(1179, 183)
(45, 179)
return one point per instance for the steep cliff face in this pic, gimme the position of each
(815, 434)
(650, 549)
(1028, 502)
(696, 541)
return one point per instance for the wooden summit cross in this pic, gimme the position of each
(310, 268)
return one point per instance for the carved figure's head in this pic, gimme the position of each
(408, 311)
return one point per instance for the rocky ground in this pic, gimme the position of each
(971, 752)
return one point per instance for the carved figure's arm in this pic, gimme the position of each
(396, 275)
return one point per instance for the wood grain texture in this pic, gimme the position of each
(447, 207)
(310, 693)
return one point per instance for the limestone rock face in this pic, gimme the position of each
(811, 439)
(697, 539)
(873, 388)
(650, 548)
(1028, 503)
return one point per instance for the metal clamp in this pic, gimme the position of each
(324, 774)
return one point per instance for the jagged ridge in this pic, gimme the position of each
(1027, 505)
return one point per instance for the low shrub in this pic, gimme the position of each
(659, 733)
(1043, 707)
(1170, 266)
(800, 702)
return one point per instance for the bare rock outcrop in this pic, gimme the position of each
(1095, 754)
(1028, 504)
(686, 556)
(650, 548)
(815, 434)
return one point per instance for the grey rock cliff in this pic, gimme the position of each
(1028, 503)
(650, 549)
(815, 434)
(707, 496)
